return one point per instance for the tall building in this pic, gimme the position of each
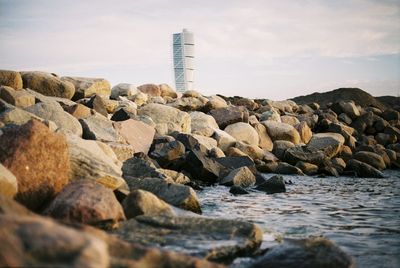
(183, 49)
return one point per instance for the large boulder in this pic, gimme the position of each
(275, 184)
(303, 153)
(138, 134)
(140, 202)
(230, 115)
(97, 103)
(282, 131)
(11, 79)
(18, 98)
(304, 132)
(53, 111)
(167, 119)
(8, 182)
(86, 201)
(167, 91)
(363, 169)
(123, 89)
(166, 152)
(371, 158)
(243, 132)
(178, 195)
(39, 160)
(290, 120)
(150, 89)
(271, 115)
(253, 151)
(98, 127)
(217, 240)
(224, 140)
(203, 124)
(347, 107)
(10, 114)
(242, 176)
(48, 84)
(86, 87)
(312, 252)
(265, 140)
(329, 143)
(188, 103)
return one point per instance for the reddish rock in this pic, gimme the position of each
(138, 134)
(89, 202)
(39, 160)
(79, 111)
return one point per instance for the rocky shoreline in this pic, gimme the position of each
(99, 176)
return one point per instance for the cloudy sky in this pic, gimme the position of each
(255, 48)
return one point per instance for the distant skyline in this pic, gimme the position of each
(255, 48)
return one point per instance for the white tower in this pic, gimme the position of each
(183, 53)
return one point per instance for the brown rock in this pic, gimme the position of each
(240, 177)
(97, 103)
(167, 91)
(138, 134)
(230, 115)
(304, 131)
(8, 182)
(150, 89)
(307, 168)
(79, 111)
(371, 159)
(39, 160)
(19, 98)
(89, 202)
(11, 79)
(87, 87)
(265, 141)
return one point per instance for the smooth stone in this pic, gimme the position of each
(243, 132)
(18, 98)
(98, 127)
(11, 79)
(136, 133)
(275, 184)
(203, 124)
(230, 115)
(329, 143)
(86, 87)
(242, 177)
(282, 131)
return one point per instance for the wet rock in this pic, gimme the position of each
(217, 240)
(242, 177)
(97, 103)
(307, 168)
(285, 168)
(371, 159)
(48, 84)
(237, 190)
(86, 201)
(8, 182)
(329, 143)
(230, 115)
(178, 195)
(243, 132)
(53, 111)
(280, 147)
(167, 119)
(201, 167)
(282, 131)
(275, 184)
(86, 87)
(78, 111)
(123, 89)
(39, 160)
(265, 141)
(89, 161)
(227, 164)
(11, 79)
(203, 124)
(363, 170)
(138, 134)
(150, 89)
(304, 132)
(18, 98)
(303, 153)
(311, 252)
(98, 127)
(140, 202)
(339, 164)
(224, 140)
(167, 152)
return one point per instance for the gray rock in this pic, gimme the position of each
(371, 159)
(123, 89)
(307, 168)
(303, 153)
(287, 169)
(240, 177)
(237, 190)
(230, 115)
(280, 147)
(329, 143)
(275, 184)
(243, 132)
(98, 127)
(203, 124)
(363, 170)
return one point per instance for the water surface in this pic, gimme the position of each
(361, 215)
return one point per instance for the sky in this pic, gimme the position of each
(254, 48)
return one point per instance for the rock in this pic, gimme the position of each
(123, 114)
(8, 182)
(310, 119)
(18, 98)
(390, 114)
(233, 151)
(307, 168)
(287, 169)
(304, 132)
(87, 87)
(140, 202)
(230, 115)
(275, 184)
(79, 111)
(371, 159)
(89, 161)
(203, 124)
(339, 164)
(310, 252)
(168, 117)
(192, 141)
(329, 143)
(141, 166)
(157, 99)
(32, 241)
(363, 170)
(123, 89)
(176, 176)
(178, 195)
(295, 154)
(188, 103)
(237, 190)
(201, 167)
(265, 141)
(271, 115)
(347, 107)
(166, 152)
(290, 120)
(48, 84)
(282, 131)
(11, 79)
(139, 98)
(345, 118)
(216, 153)
(150, 89)
(167, 91)
(98, 127)
(251, 150)
(242, 177)
(97, 103)
(393, 131)
(243, 132)
(53, 111)
(215, 102)
(280, 147)
(86, 201)
(39, 160)
(10, 207)
(224, 140)
(251, 105)
(216, 240)
(138, 134)
(121, 150)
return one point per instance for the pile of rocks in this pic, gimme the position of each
(127, 159)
